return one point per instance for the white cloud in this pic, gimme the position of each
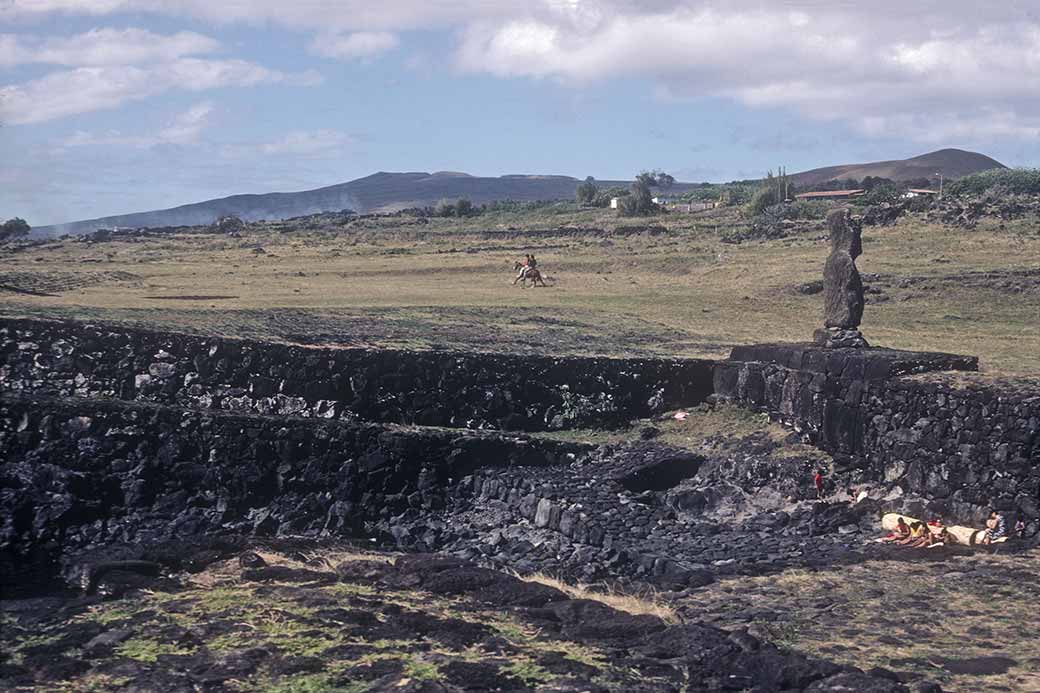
(891, 68)
(363, 44)
(883, 72)
(303, 142)
(86, 89)
(342, 15)
(185, 128)
(298, 143)
(99, 47)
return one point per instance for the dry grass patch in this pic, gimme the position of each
(650, 603)
(684, 293)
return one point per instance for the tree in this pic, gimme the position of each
(639, 202)
(464, 207)
(13, 228)
(461, 207)
(603, 197)
(664, 180)
(586, 192)
(445, 209)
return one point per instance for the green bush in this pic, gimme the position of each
(880, 194)
(586, 193)
(639, 202)
(13, 228)
(459, 208)
(762, 199)
(1014, 181)
(808, 209)
(603, 197)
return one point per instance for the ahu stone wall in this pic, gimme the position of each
(432, 388)
(963, 445)
(82, 474)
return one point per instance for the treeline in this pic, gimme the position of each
(637, 200)
(1001, 181)
(464, 207)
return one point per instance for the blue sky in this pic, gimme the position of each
(112, 106)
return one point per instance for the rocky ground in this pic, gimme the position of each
(302, 617)
(966, 621)
(674, 515)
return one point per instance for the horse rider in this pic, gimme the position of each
(526, 265)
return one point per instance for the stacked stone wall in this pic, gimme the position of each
(462, 390)
(965, 445)
(82, 474)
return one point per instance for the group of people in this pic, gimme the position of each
(919, 534)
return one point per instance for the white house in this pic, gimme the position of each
(917, 192)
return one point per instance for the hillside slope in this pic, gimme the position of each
(375, 193)
(383, 192)
(952, 163)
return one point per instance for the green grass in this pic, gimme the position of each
(527, 671)
(421, 670)
(147, 650)
(311, 683)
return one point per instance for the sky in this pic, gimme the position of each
(117, 106)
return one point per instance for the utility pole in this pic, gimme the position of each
(939, 173)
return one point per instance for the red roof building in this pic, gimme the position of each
(829, 194)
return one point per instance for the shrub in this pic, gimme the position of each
(229, 224)
(879, 194)
(763, 199)
(604, 197)
(13, 228)
(1014, 181)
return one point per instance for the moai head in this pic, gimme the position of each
(845, 233)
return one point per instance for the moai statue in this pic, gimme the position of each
(842, 287)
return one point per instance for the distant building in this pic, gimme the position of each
(680, 206)
(918, 192)
(614, 202)
(829, 195)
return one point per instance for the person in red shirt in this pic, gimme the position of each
(818, 483)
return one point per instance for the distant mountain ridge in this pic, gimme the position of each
(952, 163)
(379, 192)
(384, 192)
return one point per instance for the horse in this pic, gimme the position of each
(532, 273)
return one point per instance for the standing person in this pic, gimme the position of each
(818, 483)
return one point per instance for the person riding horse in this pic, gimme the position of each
(528, 270)
(526, 266)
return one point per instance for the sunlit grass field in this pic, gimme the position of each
(397, 282)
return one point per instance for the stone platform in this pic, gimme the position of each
(871, 363)
(964, 447)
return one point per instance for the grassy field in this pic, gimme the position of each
(396, 282)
